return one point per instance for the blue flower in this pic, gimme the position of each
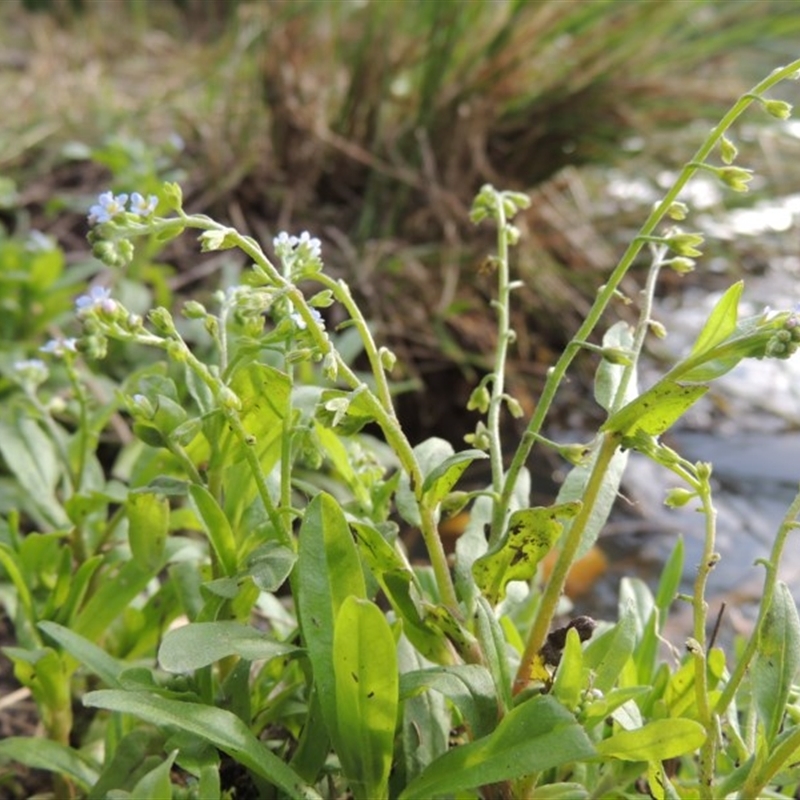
(99, 297)
(107, 207)
(301, 323)
(60, 346)
(141, 206)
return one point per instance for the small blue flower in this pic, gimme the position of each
(141, 206)
(30, 364)
(309, 245)
(60, 346)
(99, 297)
(107, 207)
(30, 373)
(301, 323)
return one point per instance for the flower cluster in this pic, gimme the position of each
(298, 253)
(785, 342)
(109, 206)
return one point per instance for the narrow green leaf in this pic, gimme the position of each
(31, 457)
(570, 679)
(574, 488)
(532, 532)
(469, 687)
(656, 741)
(608, 377)
(655, 411)
(156, 784)
(148, 525)
(443, 477)
(366, 681)
(328, 571)
(426, 722)
(199, 644)
(777, 660)
(606, 654)
(40, 753)
(721, 323)
(215, 725)
(401, 588)
(537, 735)
(87, 653)
(216, 527)
(116, 591)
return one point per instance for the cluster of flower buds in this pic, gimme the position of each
(299, 254)
(784, 342)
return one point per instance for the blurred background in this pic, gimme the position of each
(372, 124)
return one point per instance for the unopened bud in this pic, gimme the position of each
(727, 150)
(677, 210)
(677, 498)
(778, 108)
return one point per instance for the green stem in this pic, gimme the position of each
(558, 371)
(788, 524)
(555, 585)
(380, 404)
(697, 647)
(504, 334)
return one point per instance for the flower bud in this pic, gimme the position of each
(388, 358)
(778, 108)
(681, 265)
(194, 310)
(515, 409)
(173, 196)
(229, 399)
(658, 330)
(727, 150)
(736, 178)
(677, 498)
(330, 367)
(685, 244)
(677, 210)
(616, 356)
(162, 320)
(479, 399)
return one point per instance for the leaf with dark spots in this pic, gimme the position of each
(532, 532)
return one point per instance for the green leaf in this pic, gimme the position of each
(469, 687)
(531, 534)
(270, 564)
(430, 454)
(40, 753)
(156, 784)
(116, 590)
(608, 377)
(607, 654)
(199, 644)
(444, 476)
(570, 679)
(776, 661)
(574, 488)
(216, 526)
(656, 741)
(539, 734)
(426, 721)
(655, 411)
(31, 457)
(148, 526)
(402, 590)
(328, 572)
(365, 672)
(721, 323)
(215, 725)
(87, 653)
